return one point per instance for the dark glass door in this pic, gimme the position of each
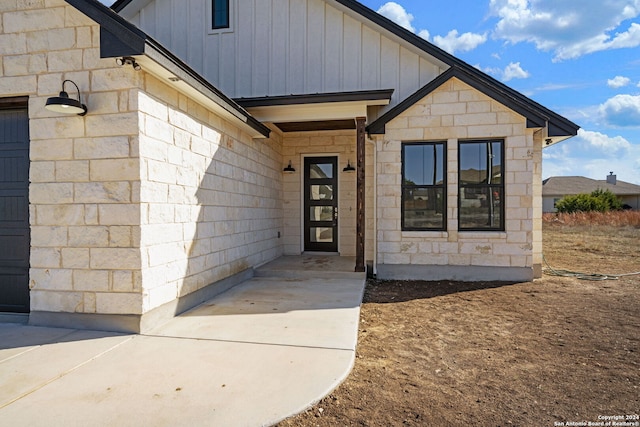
(14, 208)
(321, 204)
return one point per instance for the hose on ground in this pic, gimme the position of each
(583, 276)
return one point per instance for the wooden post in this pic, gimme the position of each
(360, 187)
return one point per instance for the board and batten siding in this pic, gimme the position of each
(282, 47)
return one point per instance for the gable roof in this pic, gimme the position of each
(572, 185)
(120, 38)
(537, 115)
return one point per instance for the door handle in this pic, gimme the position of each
(335, 216)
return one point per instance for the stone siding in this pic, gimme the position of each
(147, 198)
(455, 112)
(297, 146)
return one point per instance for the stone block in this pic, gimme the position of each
(59, 215)
(33, 20)
(115, 170)
(102, 192)
(119, 214)
(51, 40)
(42, 172)
(51, 193)
(112, 124)
(475, 119)
(75, 258)
(50, 279)
(112, 79)
(18, 85)
(115, 258)
(91, 280)
(65, 60)
(122, 281)
(88, 237)
(56, 128)
(44, 300)
(120, 237)
(13, 44)
(72, 171)
(101, 148)
(45, 257)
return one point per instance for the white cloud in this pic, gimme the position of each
(453, 42)
(568, 29)
(618, 82)
(510, 72)
(397, 14)
(622, 110)
(594, 155)
(514, 71)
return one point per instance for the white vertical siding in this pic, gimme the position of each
(282, 47)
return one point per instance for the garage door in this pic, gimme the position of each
(14, 206)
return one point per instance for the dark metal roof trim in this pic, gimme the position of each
(537, 116)
(122, 36)
(558, 125)
(316, 98)
(120, 4)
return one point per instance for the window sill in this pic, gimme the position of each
(482, 234)
(426, 233)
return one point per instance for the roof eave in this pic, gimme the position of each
(119, 38)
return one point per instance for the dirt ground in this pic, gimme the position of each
(552, 352)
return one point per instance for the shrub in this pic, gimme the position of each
(598, 201)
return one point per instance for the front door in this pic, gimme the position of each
(321, 204)
(14, 207)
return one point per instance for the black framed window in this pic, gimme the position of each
(220, 14)
(481, 185)
(424, 186)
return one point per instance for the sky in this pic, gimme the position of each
(580, 59)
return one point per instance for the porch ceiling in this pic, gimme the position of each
(319, 111)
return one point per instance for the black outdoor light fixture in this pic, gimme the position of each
(349, 168)
(63, 104)
(289, 168)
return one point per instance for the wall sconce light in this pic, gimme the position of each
(289, 168)
(349, 168)
(63, 104)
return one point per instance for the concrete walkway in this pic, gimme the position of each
(254, 355)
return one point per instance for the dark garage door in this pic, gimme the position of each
(14, 206)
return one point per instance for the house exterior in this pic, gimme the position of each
(222, 135)
(557, 187)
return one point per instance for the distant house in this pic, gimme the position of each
(556, 187)
(221, 135)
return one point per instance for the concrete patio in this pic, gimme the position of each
(260, 352)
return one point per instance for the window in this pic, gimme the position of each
(481, 185)
(220, 14)
(424, 186)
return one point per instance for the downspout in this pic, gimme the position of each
(375, 206)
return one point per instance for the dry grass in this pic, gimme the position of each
(615, 219)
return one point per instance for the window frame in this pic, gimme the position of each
(481, 186)
(442, 186)
(213, 29)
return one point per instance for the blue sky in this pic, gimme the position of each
(581, 59)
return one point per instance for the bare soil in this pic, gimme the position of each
(556, 350)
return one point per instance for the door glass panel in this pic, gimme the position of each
(321, 192)
(321, 213)
(321, 234)
(321, 170)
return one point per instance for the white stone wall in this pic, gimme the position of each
(297, 146)
(84, 214)
(149, 196)
(210, 196)
(453, 112)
